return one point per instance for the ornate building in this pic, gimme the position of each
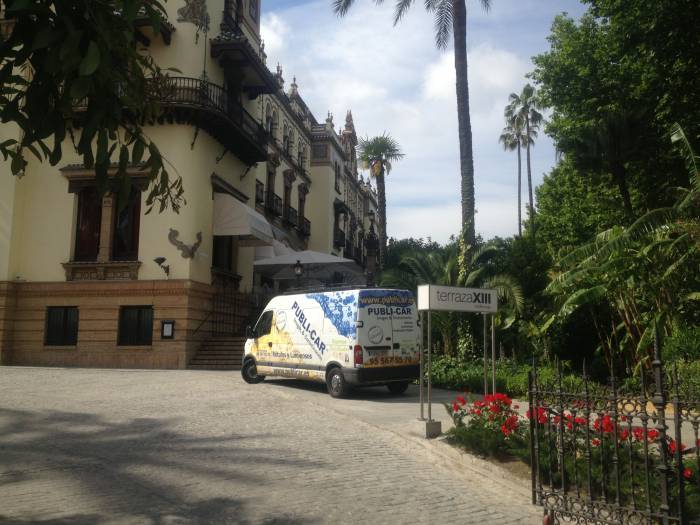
(83, 283)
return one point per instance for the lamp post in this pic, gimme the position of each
(298, 272)
(372, 246)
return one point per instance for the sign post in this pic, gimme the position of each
(449, 299)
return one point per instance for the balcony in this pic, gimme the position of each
(240, 60)
(207, 106)
(290, 216)
(304, 227)
(338, 238)
(274, 204)
(259, 193)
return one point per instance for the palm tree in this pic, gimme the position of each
(513, 137)
(377, 154)
(458, 264)
(525, 106)
(450, 19)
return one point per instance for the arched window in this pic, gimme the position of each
(300, 154)
(285, 137)
(275, 123)
(337, 176)
(268, 119)
(290, 142)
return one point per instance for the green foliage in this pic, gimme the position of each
(74, 68)
(633, 279)
(572, 209)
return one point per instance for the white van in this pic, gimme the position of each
(342, 338)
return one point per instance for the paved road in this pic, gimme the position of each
(179, 447)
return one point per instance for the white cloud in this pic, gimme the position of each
(273, 30)
(395, 80)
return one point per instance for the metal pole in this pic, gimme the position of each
(493, 355)
(421, 374)
(486, 355)
(430, 385)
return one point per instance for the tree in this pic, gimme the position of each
(512, 137)
(377, 154)
(450, 19)
(458, 264)
(524, 107)
(74, 68)
(633, 279)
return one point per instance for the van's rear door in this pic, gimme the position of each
(383, 325)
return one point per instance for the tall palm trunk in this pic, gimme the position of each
(529, 180)
(620, 175)
(381, 197)
(466, 157)
(520, 193)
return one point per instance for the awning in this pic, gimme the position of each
(266, 252)
(232, 217)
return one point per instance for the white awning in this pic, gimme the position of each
(277, 248)
(232, 217)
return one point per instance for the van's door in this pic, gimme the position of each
(406, 335)
(384, 325)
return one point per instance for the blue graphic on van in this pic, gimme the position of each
(340, 308)
(386, 298)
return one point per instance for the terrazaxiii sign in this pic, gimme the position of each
(452, 299)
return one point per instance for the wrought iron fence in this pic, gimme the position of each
(231, 309)
(605, 456)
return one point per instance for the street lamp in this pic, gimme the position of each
(298, 271)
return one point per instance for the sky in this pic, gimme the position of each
(394, 79)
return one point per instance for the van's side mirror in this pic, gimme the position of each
(249, 333)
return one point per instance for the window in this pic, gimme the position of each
(319, 151)
(302, 205)
(268, 120)
(337, 177)
(264, 325)
(135, 326)
(125, 237)
(222, 258)
(61, 326)
(300, 154)
(253, 10)
(285, 138)
(87, 235)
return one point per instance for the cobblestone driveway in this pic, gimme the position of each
(171, 447)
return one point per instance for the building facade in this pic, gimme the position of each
(83, 283)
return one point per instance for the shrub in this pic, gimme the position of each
(491, 423)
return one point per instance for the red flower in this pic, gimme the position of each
(595, 442)
(461, 400)
(580, 421)
(672, 447)
(455, 407)
(652, 434)
(624, 434)
(687, 473)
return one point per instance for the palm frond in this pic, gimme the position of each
(580, 298)
(401, 7)
(692, 161)
(341, 7)
(443, 23)
(508, 289)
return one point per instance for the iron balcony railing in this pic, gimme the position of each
(199, 92)
(259, 192)
(304, 226)
(338, 238)
(274, 203)
(209, 106)
(290, 215)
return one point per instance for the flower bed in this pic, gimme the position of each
(602, 456)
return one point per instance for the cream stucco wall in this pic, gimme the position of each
(8, 208)
(43, 230)
(319, 209)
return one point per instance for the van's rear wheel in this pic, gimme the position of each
(250, 373)
(337, 386)
(398, 387)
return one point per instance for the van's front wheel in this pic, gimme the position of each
(398, 387)
(250, 373)
(337, 386)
